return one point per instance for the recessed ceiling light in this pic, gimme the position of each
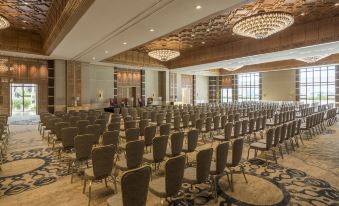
(337, 4)
(198, 7)
(302, 14)
(191, 45)
(106, 52)
(203, 42)
(151, 30)
(24, 21)
(124, 43)
(208, 29)
(93, 58)
(192, 35)
(26, 3)
(23, 27)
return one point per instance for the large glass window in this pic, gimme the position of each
(226, 94)
(317, 85)
(248, 87)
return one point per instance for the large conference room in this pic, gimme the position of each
(169, 102)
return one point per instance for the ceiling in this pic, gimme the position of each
(130, 21)
(217, 29)
(26, 14)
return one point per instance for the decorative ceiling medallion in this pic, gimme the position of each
(4, 23)
(164, 54)
(263, 24)
(312, 59)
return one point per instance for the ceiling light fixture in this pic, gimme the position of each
(336, 4)
(198, 7)
(106, 52)
(151, 30)
(302, 14)
(164, 54)
(203, 42)
(263, 24)
(4, 23)
(312, 59)
(93, 58)
(124, 43)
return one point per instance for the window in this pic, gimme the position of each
(317, 85)
(248, 87)
(226, 94)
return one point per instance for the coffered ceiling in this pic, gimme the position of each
(217, 29)
(26, 14)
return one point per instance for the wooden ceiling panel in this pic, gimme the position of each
(218, 29)
(25, 14)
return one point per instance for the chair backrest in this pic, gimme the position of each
(263, 122)
(102, 159)
(177, 141)
(298, 131)
(132, 134)
(223, 121)
(83, 146)
(150, 134)
(221, 157)
(160, 118)
(244, 126)
(283, 133)
(216, 122)
(208, 124)
(176, 123)
(258, 122)
(294, 128)
(165, 129)
(134, 153)
(269, 138)
(185, 120)
(251, 125)
(174, 173)
(289, 131)
(130, 124)
(67, 136)
(73, 120)
(110, 138)
(277, 133)
(236, 131)
(91, 119)
(159, 148)
(134, 186)
(59, 126)
(198, 124)
(237, 148)
(142, 125)
(204, 158)
(95, 130)
(228, 131)
(82, 126)
(114, 127)
(192, 140)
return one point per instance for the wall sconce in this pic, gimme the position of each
(100, 95)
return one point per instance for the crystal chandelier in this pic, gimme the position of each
(312, 59)
(3, 22)
(263, 24)
(164, 54)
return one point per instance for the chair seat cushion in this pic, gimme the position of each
(115, 200)
(157, 187)
(121, 165)
(190, 175)
(219, 137)
(258, 145)
(89, 174)
(148, 157)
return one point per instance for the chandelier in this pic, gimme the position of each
(312, 59)
(3, 22)
(164, 54)
(263, 24)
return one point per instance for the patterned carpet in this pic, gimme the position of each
(308, 176)
(43, 174)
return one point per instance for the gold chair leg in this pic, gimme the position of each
(89, 194)
(84, 189)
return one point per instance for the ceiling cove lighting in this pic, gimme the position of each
(263, 24)
(164, 54)
(4, 23)
(312, 59)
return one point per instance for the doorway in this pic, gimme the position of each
(23, 99)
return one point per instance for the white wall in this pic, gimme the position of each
(151, 83)
(201, 89)
(279, 85)
(60, 85)
(96, 80)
